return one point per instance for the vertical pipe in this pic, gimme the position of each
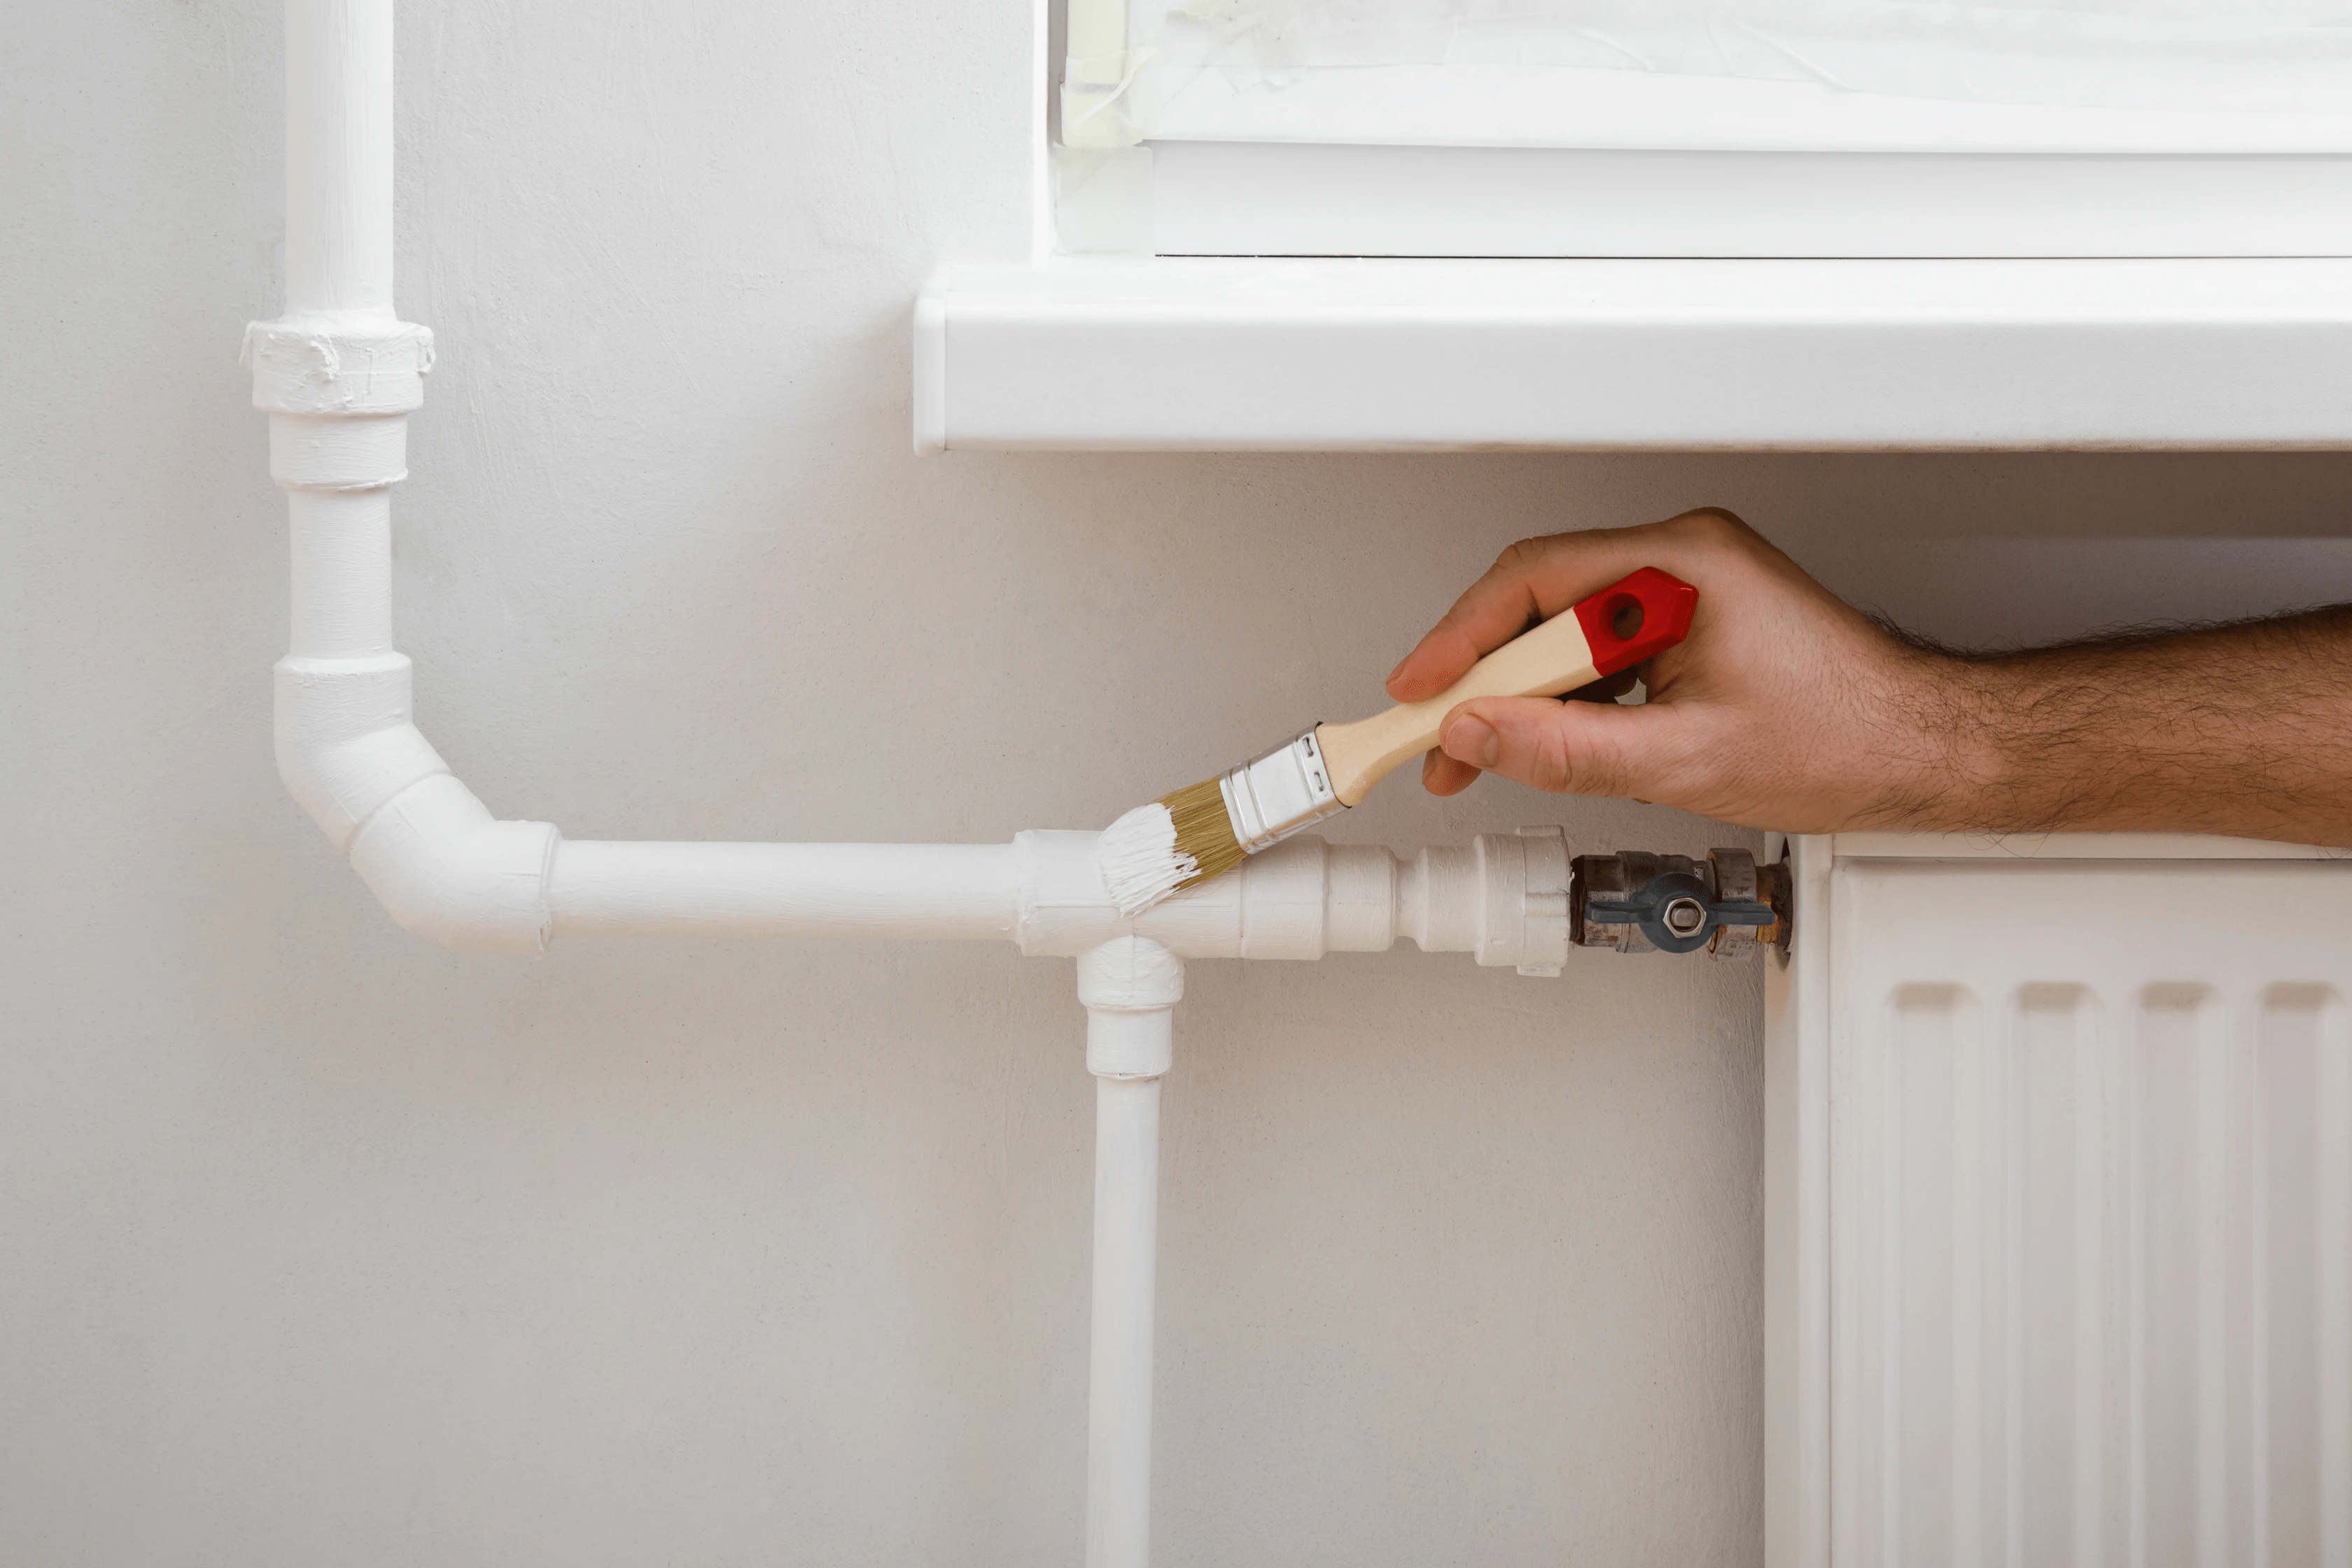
(343, 572)
(339, 158)
(1118, 1405)
(343, 440)
(1130, 985)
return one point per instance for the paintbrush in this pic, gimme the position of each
(1187, 838)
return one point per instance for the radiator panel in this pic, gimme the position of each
(2089, 1212)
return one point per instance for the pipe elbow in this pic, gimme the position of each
(446, 868)
(346, 743)
(442, 865)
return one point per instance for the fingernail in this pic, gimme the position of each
(1473, 741)
(1399, 670)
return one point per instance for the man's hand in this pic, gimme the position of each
(1786, 708)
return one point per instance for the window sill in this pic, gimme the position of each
(1323, 354)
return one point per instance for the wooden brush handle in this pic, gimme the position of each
(1625, 622)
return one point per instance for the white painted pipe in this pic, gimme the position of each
(338, 373)
(1118, 1395)
(339, 158)
(1503, 897)
(1130, 986)
(785, 890)
(341, 541)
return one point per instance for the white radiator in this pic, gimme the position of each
(2059, 1204)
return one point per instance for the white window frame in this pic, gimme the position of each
(1638, 166)
(1337, 322)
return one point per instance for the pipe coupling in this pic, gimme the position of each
(1129, 985)
(327, 365)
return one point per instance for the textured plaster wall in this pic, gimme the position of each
(325, 1245)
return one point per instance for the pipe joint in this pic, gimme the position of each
(337, 366)
(346, 744)
(443, 866)
(1523, 884)
(1503, 899)
(1129, 985)
(1299, 899)
(337, 451)
(446, 868)
(1130, 975)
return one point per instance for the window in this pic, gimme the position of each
(1707, 128)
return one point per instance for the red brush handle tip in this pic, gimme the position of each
(1636, 617)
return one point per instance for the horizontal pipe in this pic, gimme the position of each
(922, 890)
(1301, 900)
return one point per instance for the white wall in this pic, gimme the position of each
(325, 1245)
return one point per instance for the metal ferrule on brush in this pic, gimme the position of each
(1285, 790)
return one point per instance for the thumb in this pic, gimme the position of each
(1572, 748)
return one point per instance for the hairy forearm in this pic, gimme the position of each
(2244, 730)
(1786, 708)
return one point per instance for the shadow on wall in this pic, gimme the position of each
(1982, 549)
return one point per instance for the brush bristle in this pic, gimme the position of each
(1137, 860)
(1174, 842)
(1205, 830)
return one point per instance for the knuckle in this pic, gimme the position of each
(1555, 765)
(1713, 525)
(1521, 554)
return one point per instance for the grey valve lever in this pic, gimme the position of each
(1638, 901)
